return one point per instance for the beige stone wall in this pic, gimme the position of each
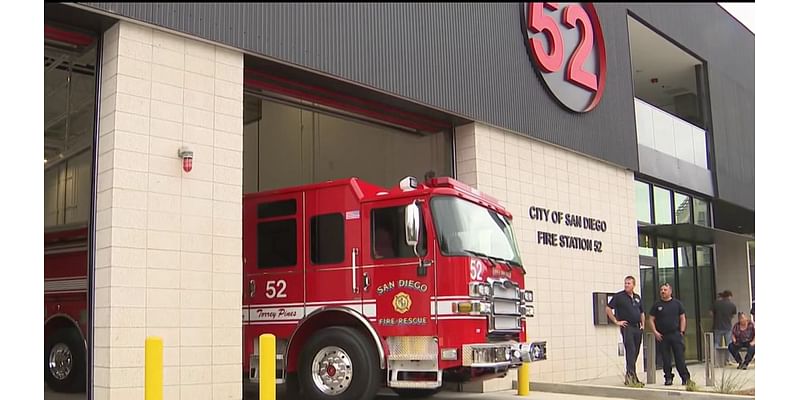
(168, 243)
(521, 173)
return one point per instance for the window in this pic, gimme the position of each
(705, 280)
(685, 255)
(683, 209)
(389, 237)
(663, 205)
(280, 208)
(277, 243)
(646, 246)
(643, 202)
(467, 229)
(666, 262)
(327, 239)
(701, 213)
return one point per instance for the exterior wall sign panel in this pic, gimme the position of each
(565, 42)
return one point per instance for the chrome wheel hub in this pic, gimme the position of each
(60, 361)
(332, 370)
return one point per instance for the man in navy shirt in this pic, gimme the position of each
(668, 320)
(629, 316)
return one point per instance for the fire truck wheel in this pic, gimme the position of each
(338, 363)
(416, 393)
(291, 387)
(65, 361)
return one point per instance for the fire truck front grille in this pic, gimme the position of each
(506, 298)
(412, 348)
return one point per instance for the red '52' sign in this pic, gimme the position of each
(565, 43)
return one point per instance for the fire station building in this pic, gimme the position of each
(620, 136)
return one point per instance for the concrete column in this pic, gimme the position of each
(168, 242)
(732, 270)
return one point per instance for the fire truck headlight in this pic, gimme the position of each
(539, 351)
(463, 307)
(525, 352)
(529, 311)
(449, 354)
(478, 289)
(528, 296)
(472, 307)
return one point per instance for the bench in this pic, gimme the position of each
(721, 355)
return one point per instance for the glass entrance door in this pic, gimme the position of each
(687, 294)
(647, 288)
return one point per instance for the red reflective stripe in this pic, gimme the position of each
(61, 35)
(385, 111)
(337, 104)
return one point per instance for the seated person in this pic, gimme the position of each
(743, 335)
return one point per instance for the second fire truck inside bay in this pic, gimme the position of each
(366, 287)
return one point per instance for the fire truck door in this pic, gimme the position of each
(332, 254)
(399, 290)
(273, 274)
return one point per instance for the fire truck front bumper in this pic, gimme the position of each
(503, 354)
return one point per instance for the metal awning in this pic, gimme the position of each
(698, 234)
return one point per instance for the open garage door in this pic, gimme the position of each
(70, 60)
(296, 133)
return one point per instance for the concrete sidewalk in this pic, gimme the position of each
(740, 381)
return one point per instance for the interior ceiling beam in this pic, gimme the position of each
(56, 63)
(53, 143)
(53, 122)
(55, 89)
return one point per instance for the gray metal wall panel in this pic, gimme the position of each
(470, 59)
(676, 171)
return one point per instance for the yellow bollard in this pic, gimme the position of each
(523, 380)
(266, 367)
(153, 368)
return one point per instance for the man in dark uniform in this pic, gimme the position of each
(668, 320)
(629, 316)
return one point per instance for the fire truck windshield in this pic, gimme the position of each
(465, 228)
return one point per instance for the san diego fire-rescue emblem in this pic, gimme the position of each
(401, 302)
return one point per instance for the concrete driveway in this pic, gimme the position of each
(388, 394)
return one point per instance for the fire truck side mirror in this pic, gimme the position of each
(412, 226)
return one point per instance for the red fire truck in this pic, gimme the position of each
(65, 308)
(364, 286)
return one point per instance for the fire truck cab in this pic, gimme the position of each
(365, 286)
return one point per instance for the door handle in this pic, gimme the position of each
(252, 288)
(366, 282)
(353, 255)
